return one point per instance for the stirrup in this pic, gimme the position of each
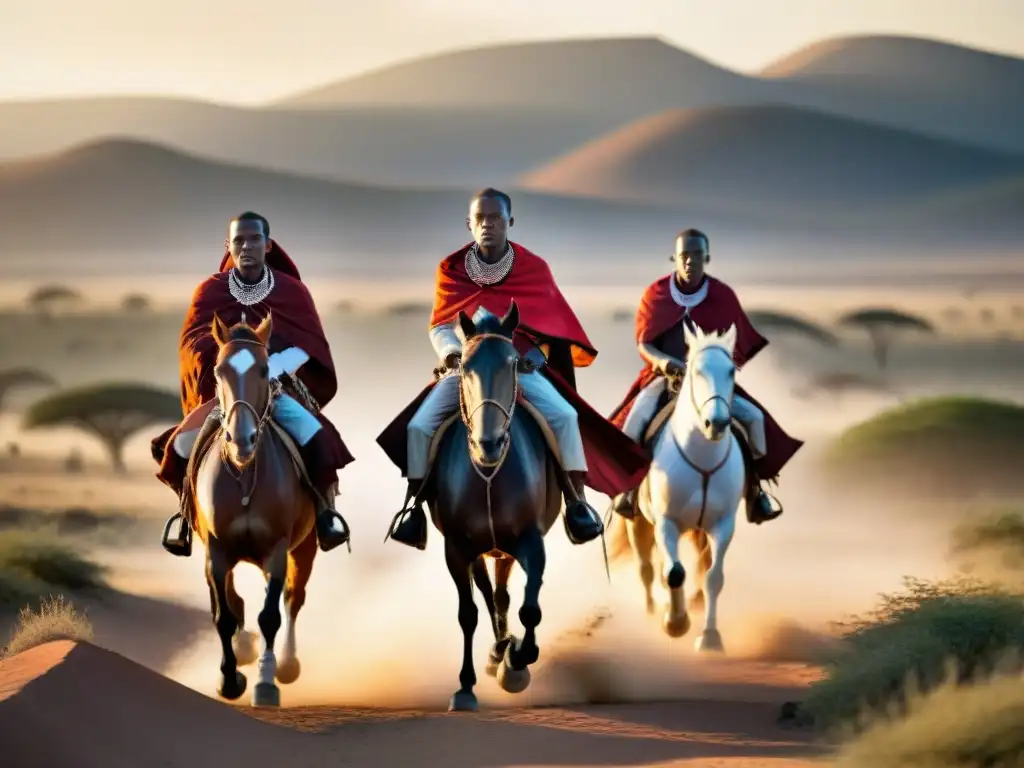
(333, 514)
(181, 546)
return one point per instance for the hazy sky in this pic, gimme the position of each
(248, 51)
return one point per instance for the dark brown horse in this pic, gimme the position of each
(250, 506)
(495, 494)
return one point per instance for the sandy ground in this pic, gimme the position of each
(378, 638)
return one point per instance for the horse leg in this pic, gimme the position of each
(483, 583)
(275, 568)
(245, 642)
(699, 538)
(676, 621)
(463, 700)
(514, 673)
(719, 538)
(502, 602)
(218, 566)
(641, 538)
(300, 568)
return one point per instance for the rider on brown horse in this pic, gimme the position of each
(489, 274)
(257, 277)
(689, 296)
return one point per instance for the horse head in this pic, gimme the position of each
(243, 385)
(710, 379)
(489, 377)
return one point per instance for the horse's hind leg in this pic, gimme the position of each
(245, 642)
(641, 538)
(676, 621)
(300, 568)
(699, 538)
(514, 673)
(502, 570)
(483, 583)
(275, 567)
(218, 566)
(720, 536)
(463, 700)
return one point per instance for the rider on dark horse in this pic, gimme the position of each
(689, 296)
(256, 277)
(490, 273)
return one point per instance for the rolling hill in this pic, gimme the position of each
(769, 158)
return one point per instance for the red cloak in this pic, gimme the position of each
(659, 323)
(615, 463)
(296, 323)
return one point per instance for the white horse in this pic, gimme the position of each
(694, 487)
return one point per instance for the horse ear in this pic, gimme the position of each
(729, 338)
(219, 330)
(511, 319)
(688, 338)
(467, 326)
(265, 328)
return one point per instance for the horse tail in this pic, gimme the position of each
(617, 538)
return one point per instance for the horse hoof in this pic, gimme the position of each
(512, 680)
(266, 695)
(288, 670)
(232, 690)
(492, 666)
(463, 701)
(676, 626)
(676, 576)
(710, 641)
(246, 651)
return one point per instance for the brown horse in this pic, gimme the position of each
(495, 494)
(250, 506)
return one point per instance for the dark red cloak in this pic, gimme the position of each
(615, 462)
(296, 323)
(659, 323)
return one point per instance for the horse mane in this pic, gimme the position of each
(488, 322)
(710, 340)
(242, 332)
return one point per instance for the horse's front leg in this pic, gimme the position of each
(514, 672)
(676, 621)
(275, 568)
(463, 700)
(218, 566)
(502, 602)
(719, 537)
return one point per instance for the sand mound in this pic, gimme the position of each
(68, 704)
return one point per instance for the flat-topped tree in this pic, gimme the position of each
(769, 321)
(135, 303)
(110, 412)
(48, 298)
(882, 325)
(13, 378)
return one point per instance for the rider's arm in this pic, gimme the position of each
(445, 341)
(658, 359)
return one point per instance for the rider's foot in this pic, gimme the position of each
(582, 523)
(181, 544)
(761, 509)
(623, 504)
(331, 529)
(412, 531)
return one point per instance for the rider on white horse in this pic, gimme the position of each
(689, 298)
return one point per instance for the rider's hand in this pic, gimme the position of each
(451, 362)
(672, 369)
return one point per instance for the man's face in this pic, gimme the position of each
(690, 257)
(248, 246)
(489, 222)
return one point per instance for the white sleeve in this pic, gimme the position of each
(445, 340)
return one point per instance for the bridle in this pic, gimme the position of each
(261, 424)
(507, 411)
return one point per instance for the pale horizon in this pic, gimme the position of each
(60, 48)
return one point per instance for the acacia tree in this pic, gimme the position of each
(48, 298)
(882, 325)
(110, 412)
(135, 303)
(23, 377)
(769, 321)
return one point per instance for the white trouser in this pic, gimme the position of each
(287, 411)
(745, 412)
(443, 401)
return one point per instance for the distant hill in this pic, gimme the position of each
(915, 83)
(622, 75)
(769, 158)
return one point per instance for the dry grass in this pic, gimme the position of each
(955, 726)
(56, 619)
